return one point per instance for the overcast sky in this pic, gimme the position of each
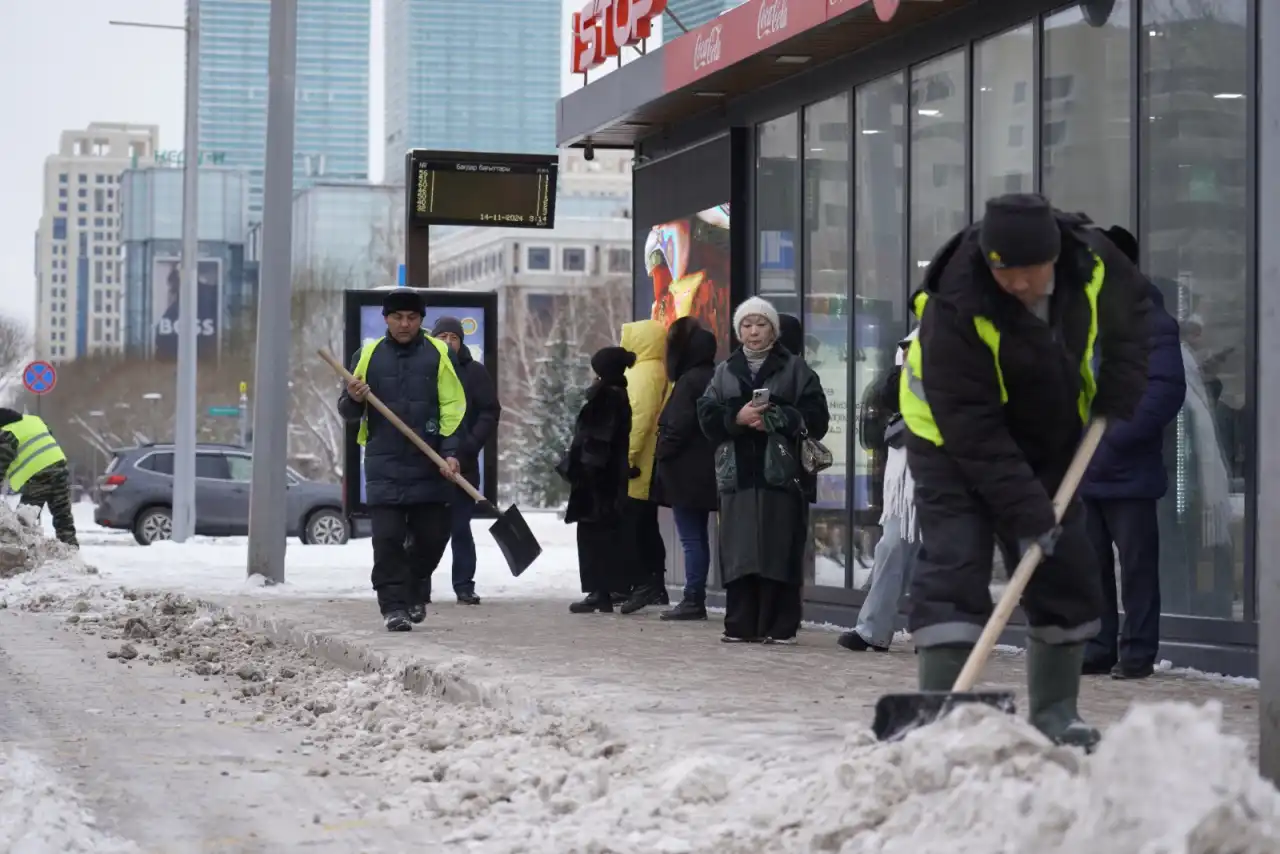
(64, 66)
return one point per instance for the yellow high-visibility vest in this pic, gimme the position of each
(915, 406)
(449, 394)
(37, 450)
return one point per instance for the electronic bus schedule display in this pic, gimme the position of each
(471, 188)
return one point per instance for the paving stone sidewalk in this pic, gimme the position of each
(676, 681)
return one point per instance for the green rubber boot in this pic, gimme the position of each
(1053, 689)
(938, 666)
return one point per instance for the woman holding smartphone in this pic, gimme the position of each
(760, 402)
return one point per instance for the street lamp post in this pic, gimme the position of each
(184, 418)
(267, 523)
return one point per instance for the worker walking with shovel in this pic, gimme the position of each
(1031, 325)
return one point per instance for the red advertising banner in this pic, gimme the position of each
(748, 29)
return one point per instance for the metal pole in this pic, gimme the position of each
(271, 369)
(184, 417)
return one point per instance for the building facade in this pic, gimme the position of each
(348, 236)
(331, 131)
(852, 162)
(79, 269)
(462, 76)
(151, 241)
(695, 13)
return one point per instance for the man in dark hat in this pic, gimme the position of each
(1031, 324)
(483, 412)
(406, 493)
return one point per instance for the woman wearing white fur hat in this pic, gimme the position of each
(760, 402)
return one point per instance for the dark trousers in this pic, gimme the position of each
(52, 487)
(950, 594)
(1131, 525)
(758, 608)
(691, 528)
(649, 566)
(399, 580)
(600, 545)
(462, 543)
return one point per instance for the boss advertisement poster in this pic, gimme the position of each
(166, 299)
(363, 322)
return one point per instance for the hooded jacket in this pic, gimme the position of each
(647, 389)
(685, 475)
(1015, 454)
(483, 412)
(1129, 464)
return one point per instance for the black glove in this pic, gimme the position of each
(634, 472)
(1046, 541)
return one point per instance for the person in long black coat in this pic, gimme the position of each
(685, 475)
(597, 471)
(764, 508)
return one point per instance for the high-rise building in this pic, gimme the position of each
(331, 132)
(79, 264)
(347, 236)
(470, 76)
(694, 13)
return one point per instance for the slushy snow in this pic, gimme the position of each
(496, 775)
(38, 815)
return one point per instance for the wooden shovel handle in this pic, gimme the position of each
(1030, 561)
(373, 401)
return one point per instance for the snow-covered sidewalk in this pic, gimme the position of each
(531, 730)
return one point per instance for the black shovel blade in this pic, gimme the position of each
(516, 541)
(898, 714)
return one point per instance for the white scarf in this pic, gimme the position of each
(899, 487)
(1215, 485)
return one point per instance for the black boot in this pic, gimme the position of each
(1053, 691)
(854, 642)
(642, 596)
(417, 613)
(397, 621)
(591, 603)
(688, 609)
(664, 598)
(468, 597)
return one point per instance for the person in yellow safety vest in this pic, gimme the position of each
(1031, 323)
(413, 374)
(36, 467)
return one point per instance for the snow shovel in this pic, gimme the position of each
(510, 531)
(898, 714)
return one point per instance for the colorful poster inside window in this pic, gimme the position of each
(373, 327)
(687, 263)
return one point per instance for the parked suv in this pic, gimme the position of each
(135, 493)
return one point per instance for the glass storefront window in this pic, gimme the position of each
(777, 211)
(1194, 243)
(1085, 136)
(1004, 115)
(826, 319)
(939, 171)
(879, 290)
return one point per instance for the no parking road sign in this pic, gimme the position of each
(39, 377)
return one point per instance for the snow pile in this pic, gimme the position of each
(39, 815)
(24, 548)
(500, 777)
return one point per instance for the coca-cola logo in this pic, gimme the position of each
(772, 18)
(707, 50)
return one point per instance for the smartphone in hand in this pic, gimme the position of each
(760, 397)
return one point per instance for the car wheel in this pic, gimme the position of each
(326, 528)
(153, 525)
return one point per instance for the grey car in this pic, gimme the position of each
(135, 493)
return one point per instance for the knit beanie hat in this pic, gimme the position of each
(758, 306)
(448, 324)
(402, 299)
(1019, 230)
(609, 363)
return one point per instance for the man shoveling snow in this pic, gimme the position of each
(35, 466)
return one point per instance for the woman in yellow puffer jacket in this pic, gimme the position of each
(647, 388)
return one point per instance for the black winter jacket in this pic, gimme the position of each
(596, 464)
(405, 378)
(483, 412)
(1014, 456)
(685, 475)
